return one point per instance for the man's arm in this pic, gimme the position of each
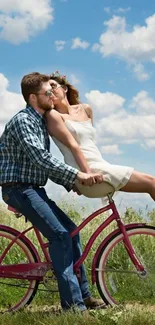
(25, 134)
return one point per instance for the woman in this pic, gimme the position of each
(70, 126)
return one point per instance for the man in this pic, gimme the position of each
(25, 165)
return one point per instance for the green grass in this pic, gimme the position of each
(116, 316)
(43, 309)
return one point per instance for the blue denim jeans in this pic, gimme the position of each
(56, 226)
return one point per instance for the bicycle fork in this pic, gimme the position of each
(130, 249)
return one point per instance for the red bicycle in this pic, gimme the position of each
(123, 266)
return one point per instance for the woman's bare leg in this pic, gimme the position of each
(140, 183)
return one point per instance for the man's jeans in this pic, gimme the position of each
(56, 226)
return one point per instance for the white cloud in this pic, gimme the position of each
(4, 83)
(11, 102)
(122, 10)
(78, 43)
(107, 10)
(140, 72)
(96, 47)
(129, 127)
(60, 45)
(128, 141)
(111, 82)
(111, 150)
(143, 104)
(116, 124)
(149, 143)
(19, 20)
(135, 46)
(116, 23)
(105, 103)
(73, 79)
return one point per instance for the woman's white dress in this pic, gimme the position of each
(115, 176)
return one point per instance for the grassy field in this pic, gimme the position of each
(45, 309)
(117, 316)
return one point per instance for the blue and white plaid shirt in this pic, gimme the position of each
(25, 156)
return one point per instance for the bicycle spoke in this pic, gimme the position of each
(15, 293)
(122, 271)
(14, 285)
(116, 271)
(26, 287)
(118, 280)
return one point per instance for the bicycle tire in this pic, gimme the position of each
(116, 277)
(12, 296)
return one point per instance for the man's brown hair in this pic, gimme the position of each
(32, 83)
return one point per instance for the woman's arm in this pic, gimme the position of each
(56, 127)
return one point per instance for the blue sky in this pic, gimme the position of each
(107, 50)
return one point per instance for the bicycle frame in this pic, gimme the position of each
(121, 227)
(36, 271)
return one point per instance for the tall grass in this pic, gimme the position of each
(37, 314)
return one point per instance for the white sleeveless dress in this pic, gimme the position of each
(115, 176)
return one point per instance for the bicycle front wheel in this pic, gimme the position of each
(16, 293)
(116, 277)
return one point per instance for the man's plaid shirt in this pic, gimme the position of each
(25, 156)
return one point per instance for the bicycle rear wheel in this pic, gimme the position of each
(116, 277)
(16, 293)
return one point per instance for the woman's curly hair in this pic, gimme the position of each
(72, 92)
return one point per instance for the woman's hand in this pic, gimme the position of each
(90, 179)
